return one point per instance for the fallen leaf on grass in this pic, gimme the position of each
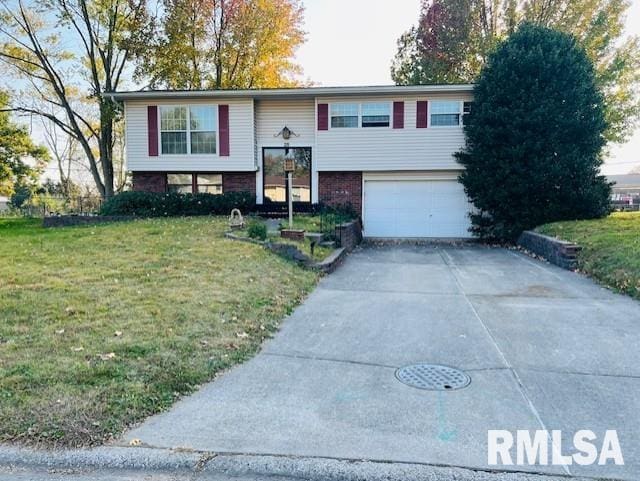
(108, 356)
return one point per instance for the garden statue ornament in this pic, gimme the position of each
(236, 220)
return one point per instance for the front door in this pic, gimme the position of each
(275, 178)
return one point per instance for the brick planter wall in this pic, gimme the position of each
(149, 181)
(340, 188)
(239, 182)
(293, 234)
(349, 234)
(556, 251)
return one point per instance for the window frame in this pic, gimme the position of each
(389, 115)
(331, 104)
(188, 131)
(460, 113)
(179, 173)
(194, 181)
(360, 104)
(305, 147)
(196, 184)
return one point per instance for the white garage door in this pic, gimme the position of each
(415, 208)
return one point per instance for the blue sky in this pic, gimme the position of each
(352, 42)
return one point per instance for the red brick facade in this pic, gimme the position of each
(231, 181)
(340, 188)
(150, 181)
(239, 182)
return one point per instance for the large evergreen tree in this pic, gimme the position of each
(535, 136)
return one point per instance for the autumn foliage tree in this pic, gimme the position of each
(62, 57)
(437, 50)
(230, 44)
(454, 38)
(21, 160)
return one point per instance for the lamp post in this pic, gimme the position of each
(289, 166)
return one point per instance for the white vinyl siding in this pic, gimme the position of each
(336, 149)
(273, 115)
(387, 149)
(241, 139)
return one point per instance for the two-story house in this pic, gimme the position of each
(386, 150)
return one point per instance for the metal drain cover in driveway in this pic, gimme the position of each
(434, 377)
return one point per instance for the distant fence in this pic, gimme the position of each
(625, 206)
(48, 205)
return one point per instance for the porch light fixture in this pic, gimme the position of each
(286, 133)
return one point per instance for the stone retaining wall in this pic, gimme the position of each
(556, 251)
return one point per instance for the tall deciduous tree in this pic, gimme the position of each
(20, 158)
(67, 54)
(225, 44)
(535, 136)
(462, 33)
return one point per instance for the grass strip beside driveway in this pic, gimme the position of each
(610, 248)
(104, 325)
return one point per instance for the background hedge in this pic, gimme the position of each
(153, 204)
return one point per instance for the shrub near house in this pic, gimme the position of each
(154, 204)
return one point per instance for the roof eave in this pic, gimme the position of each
(310, 92)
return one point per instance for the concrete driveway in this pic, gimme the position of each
(545, 349)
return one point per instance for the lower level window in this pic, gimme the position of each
(182, 183)
(209, 183)
(191, 183)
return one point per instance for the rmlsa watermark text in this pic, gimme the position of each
(545, 448)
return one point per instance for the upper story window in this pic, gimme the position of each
(376, 115)
(173, 128)
(445, 113)
(344, 115)
(371, 114)
(188, 130)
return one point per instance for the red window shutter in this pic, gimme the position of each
(152, 130)
(421, 114)
(323, 116)
(223, 126)
(398, 115)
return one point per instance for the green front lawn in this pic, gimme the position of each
(105, 325)
(610, 248)
(307, 222)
